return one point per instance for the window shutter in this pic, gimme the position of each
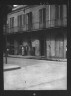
(44, 15)
(61, 11)
(56, 12)
(10, 22)
(30, 17)
(40, 16)
(20, 20)
(24, 19)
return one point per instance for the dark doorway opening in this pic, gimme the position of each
(42, 47)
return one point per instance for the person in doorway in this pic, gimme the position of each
(7, 51)
(26, 49)
(23, 50)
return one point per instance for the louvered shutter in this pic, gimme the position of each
(10, 22)
(40, 16)
(24, 19)
(56, 12)
(20, 20)
(31, 18)
(61, 12)
(44, 17)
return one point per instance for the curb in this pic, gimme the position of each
(10, 69)
(39, 58)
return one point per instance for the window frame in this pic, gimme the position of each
(11, 22)
(42, 20)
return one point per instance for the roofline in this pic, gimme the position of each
(22, 8)
(16, 9)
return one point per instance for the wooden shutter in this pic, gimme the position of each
(57, 15)
(56, 12)
(44, 17)
(24, 19)
(61, 12)
(40, 16)
(20, 20)
(31, 18)
(12, 21)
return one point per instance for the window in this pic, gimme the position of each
(29, 18)
(24, 21)
(42, 16)
(56, 12)
(29, 21)
(59, 12)
(12, 22)
(20, 20)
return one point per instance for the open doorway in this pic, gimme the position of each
(42, 47)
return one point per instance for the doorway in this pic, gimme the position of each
(59, 46)
(42, 47)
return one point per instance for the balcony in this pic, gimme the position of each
(36, 26)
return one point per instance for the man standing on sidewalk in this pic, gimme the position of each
(23, 50)
(7, 51)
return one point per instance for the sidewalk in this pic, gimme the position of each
(37, 57)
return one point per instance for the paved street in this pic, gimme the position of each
(35, 75)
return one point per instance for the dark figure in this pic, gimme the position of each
(7, 51)
(26, 50)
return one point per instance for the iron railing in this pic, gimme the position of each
(38, 26)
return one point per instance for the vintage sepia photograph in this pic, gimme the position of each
(35, 47)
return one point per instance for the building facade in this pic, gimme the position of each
(38, 30)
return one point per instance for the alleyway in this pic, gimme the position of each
(36, 75)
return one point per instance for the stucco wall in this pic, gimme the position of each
(36, 44)
(56, 45)
(50, 15)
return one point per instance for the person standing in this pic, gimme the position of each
(7, 51)
(22, 50)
